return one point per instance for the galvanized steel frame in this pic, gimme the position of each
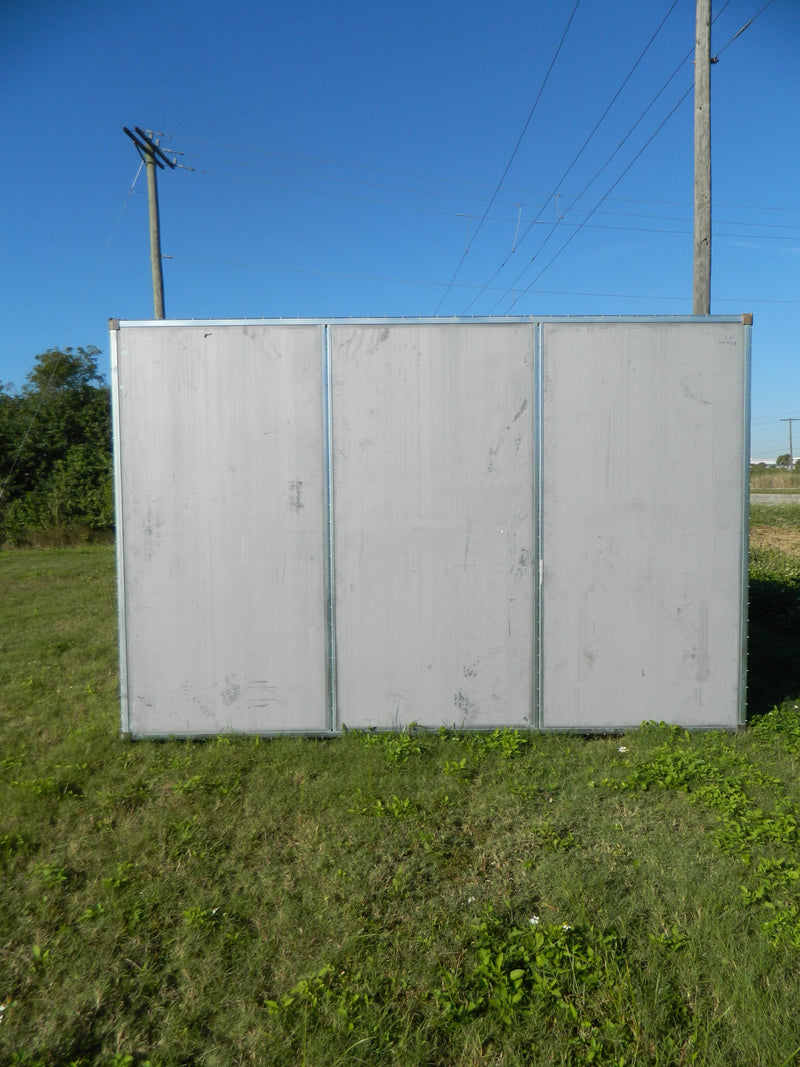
(331, 667)
(745, 568)
(330, 530)
(120, 537)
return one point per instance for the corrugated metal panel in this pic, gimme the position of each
(433, 491)
(220, 439)
(642, 523)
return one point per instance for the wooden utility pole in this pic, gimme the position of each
(791, 453)
(701, 285)
(152, 156)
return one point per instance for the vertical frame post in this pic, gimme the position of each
(747, 330)
(538, 452)
(329, 533)
(119, 531)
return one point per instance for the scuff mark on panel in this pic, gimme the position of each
(198, 697)
(494, 450)
(152, 532)
(698, 655)
(703, 658)
(260, 694)
(691, 390)
(520, 568)
(231, 692)
(383, 337)
(468, 709)
(519, 414)
(471, 669)
(296, 496)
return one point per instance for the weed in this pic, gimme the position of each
(571, 977)
(456, 768)
(507, 742)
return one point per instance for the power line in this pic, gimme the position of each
(449, 212)
(624, 172)
(580, 226)
(431, 283)
(609, 159)
(600, 170)
(513, 154)
(777, 417)
(515, 191)
(746, 26)
(495, 193)
(581, 150)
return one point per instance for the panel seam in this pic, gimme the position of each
(331, 666)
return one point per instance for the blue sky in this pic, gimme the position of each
(346, 160)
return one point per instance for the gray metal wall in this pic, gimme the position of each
(433, 520)
(643, 507)
(220, 510)
(507, 522)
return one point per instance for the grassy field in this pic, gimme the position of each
(773, 479)
(403, 899)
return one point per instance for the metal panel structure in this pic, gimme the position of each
(220, 505)
(373, 523)
(643, 523)
(433, 517)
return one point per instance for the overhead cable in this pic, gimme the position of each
(625, 171)
(513, 154)
(348, 276)
(580, 226)
(579, 153)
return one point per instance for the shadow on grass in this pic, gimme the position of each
(773, 662)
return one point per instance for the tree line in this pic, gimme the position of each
(55, 452)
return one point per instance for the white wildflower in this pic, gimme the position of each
(534, 920)
(622, 748)
(565, 926)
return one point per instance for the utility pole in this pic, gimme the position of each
(153, 156)
(701, 283)
(791, 453)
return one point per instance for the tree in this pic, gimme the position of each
(783, 461)
(55, 449)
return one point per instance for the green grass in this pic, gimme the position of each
(782, 515)
(369, 899)
(773, 663)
